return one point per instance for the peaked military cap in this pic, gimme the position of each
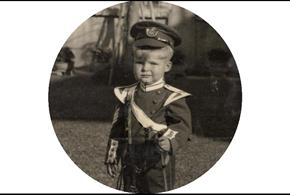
(154, 34)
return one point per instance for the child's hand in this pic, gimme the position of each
(164, 143)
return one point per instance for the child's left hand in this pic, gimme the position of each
(164, 143)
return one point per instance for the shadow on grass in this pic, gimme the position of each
(80, 98)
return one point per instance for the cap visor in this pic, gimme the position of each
(149, 43)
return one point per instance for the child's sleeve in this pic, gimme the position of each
(178, 118)
(116, 134)
(118, 125)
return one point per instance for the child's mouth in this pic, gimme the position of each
(145, 76)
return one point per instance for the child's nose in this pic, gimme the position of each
(146, 66)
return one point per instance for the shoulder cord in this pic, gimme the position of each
(130, 96)
(128, 129)
(128, 115)
(120, 179)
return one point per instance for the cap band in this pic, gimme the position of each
(156, 34)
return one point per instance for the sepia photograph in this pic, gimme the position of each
(145, 96)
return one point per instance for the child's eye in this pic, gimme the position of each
(138, 62)
(153, 63)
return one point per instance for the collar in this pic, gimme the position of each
(157, 85)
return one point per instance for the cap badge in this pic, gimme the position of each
(151, 32)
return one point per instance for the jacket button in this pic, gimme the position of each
(152, 111)
(158, 92)
(154, 101)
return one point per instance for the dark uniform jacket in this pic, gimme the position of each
(166, 112)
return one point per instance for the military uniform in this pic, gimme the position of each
(143, 114)
(166, 107)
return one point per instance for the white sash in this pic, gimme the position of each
(147, 122)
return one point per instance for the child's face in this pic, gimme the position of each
(151, 65)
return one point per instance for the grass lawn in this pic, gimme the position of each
(85, 143)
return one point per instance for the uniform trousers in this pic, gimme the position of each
(143, 171)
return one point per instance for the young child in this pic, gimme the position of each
(152, 119)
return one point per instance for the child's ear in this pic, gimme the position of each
(168, 66)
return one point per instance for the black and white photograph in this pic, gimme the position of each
(144, 97)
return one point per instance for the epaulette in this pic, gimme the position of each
(176, 95)
(121, 92)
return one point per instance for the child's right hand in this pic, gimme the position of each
(164, 143)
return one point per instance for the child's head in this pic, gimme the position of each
(153, 50)
(150, 64)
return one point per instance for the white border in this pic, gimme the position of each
(32, 159)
